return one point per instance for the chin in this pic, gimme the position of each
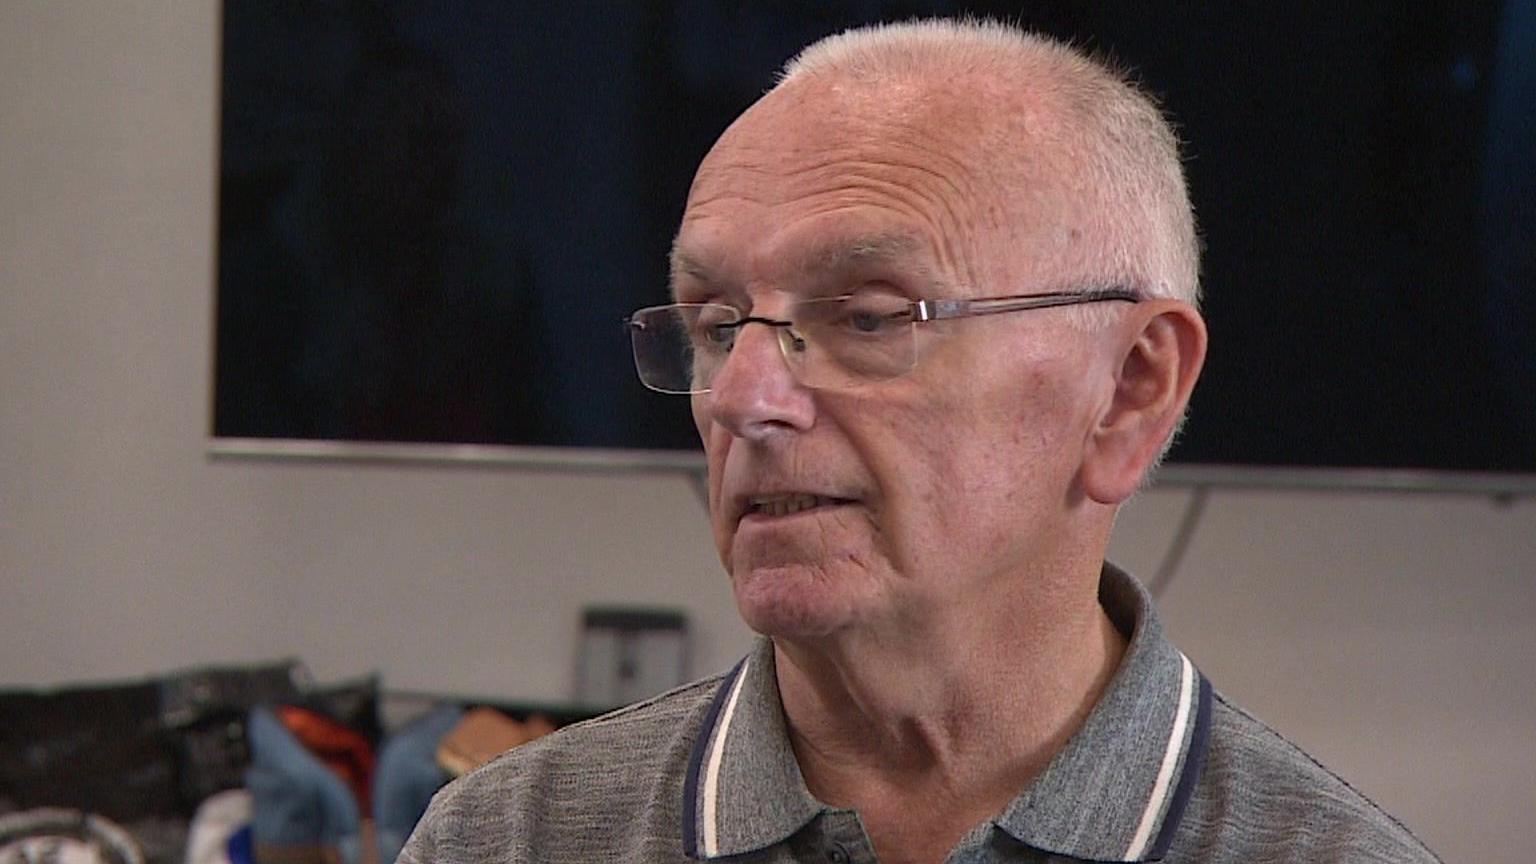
(793, 601)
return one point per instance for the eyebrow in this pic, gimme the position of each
(828, 256)
(859, 250)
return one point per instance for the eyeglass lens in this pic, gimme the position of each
(828, 343)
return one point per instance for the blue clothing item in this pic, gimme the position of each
(297, 801)
(239, 847)
(407, 777)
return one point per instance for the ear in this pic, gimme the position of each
(1156, 370)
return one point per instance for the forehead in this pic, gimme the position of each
(823, 177)
(712, 259)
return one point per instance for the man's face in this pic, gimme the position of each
(930, 494)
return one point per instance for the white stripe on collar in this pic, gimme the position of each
(712, 771)
(1164, 785)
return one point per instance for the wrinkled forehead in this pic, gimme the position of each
(826, 172)
(822, 261)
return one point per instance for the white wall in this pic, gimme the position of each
(1390, 634)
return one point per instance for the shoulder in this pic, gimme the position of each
(610, 785)
(1261, 798)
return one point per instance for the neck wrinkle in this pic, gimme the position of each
(986, 715)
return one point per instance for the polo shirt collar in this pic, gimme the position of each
(744, 790)
(1116, 792)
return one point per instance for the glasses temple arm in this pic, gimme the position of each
(933, 310)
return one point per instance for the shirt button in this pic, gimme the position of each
(837, 855)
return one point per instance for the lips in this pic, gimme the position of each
(788, 503)
(756, 491)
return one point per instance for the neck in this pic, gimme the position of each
(966, 712)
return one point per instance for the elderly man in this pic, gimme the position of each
(935, 307)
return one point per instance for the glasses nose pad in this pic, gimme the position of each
(795, 350)
(791, 342)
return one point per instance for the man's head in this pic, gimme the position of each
(939, 161)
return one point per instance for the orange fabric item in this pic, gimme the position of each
(343, 750)
(480, 736)
(483, 734)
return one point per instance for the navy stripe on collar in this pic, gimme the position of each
(1194, 760)
(691, 803)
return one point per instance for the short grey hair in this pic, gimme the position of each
(1116, 141)
(1119, 142)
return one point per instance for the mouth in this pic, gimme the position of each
(788, 504)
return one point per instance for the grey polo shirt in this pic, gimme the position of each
(1163, 769)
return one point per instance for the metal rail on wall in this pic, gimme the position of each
(1502, 487)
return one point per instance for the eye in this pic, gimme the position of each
(719, 334)
(865, 321)
(713, 327)
(858, 319)
(867, 315)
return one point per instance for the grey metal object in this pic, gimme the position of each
(1508, 486)
(629, 653)
(494, 455)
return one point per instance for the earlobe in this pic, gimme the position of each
(1155, 374)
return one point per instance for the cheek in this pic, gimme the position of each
(984, 461)
(716, 447)
(931, 468)
(700, 417)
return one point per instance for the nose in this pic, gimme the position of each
(754, 395)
